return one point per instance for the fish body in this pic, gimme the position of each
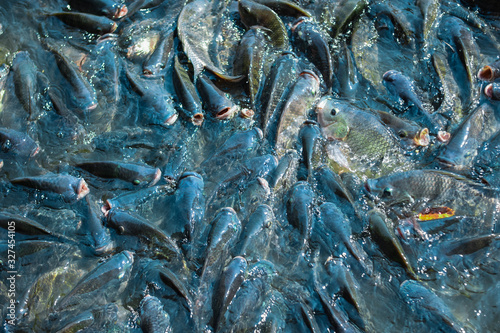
(187, 94)
(309, 39)
(134, 173)
(231, 280)
(402, 87)
(190, 202)
(428, 306)
(22, 224)
(159, 58)
(154, 319)
(99, 235)
(215, 100)
(114, 270)
(389, 244)
(70, 188)
(410, 187)
(253, 13)
(411, 135)
(260, 220)
(299, 209)
(285, 8)
(309, 135)
(128, 224)
(477, 128)
(84, 93)
(17, 143)
(160, 108)
(292, 112)
(250, 57)
(284, 71)
(108, 8)
(360, 137)
(92, 23)
(25, 75)
(339, 225)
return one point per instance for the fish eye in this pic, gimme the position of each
(7, 145)
(333, 112)
(402, 134)
(387, 192)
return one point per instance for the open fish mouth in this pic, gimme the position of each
(198, 119)
(422, 138)
(83, 189)
(106, 207)
(486, 74)
(120, 12)
(247, 113)
(226, 112)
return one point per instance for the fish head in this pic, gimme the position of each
(246, 9)
(332, 119)
(492, 91)
(391, 80)
(388, 190)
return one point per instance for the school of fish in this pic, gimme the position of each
(249, 166)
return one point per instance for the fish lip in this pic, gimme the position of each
(488, 91)
(114, 27)
(229, 210)
(187, 174)
(310, 122)
(106, 37)
(91, 106)
(226, 112)
(486, 73)
(284, 53)
(129, 255)
(172, 119)
(156, 177)
(147, 72)
(388, 74)
(82, 190)
(264, 183)
(443, 136)
(297, 23)
(106, 208)
(422, 138)
(446, 161)
(247, 113)
(260, 134)
(120, 12)
(314, 75)
(198, 119)
(1, 164)
(367, 188)
(106, 248)
(35, 151)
